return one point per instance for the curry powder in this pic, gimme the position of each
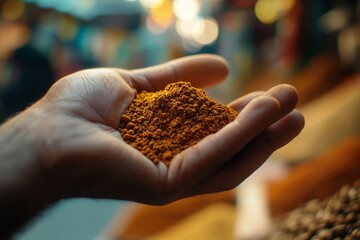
(164, 123)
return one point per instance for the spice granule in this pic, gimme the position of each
(164, 123)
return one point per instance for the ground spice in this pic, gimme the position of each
(164, 123)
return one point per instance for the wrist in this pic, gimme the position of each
(24, 189)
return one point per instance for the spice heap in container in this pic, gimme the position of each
(337, 217)
(164, 123)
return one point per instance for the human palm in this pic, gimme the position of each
(88, 158)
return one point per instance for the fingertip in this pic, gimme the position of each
(286, 129)
(284, 93)
(287, 96)
(211, 59)
(299, 118)
(220, 62)
(202, 71)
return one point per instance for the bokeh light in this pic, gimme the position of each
(267, 11)
(186, 9)
(206, 31)
(153, 27)
(185, 28)
(199, 30)
(162, 14)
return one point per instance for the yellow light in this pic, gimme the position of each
(206, 31)
(153, 27)
(186, 9)
(267, 11)
(162, 14)
(13, 9)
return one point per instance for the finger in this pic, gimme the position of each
(241, 102)
(286, 95)
(213, 151)
(252, 156)
(202, 71)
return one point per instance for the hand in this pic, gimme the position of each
(89, 158)
(76, 150)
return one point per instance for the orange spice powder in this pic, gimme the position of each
(164, 123)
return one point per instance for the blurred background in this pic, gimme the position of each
(313, 45)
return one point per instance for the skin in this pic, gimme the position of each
(67, 145)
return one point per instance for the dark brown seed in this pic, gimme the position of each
(324, 234)
(339, 231)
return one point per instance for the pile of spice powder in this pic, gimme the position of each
(164, 123)
(336, 217)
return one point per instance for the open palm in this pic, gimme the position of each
(88, 158)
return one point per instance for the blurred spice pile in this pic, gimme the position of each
(162, 124)
(337, 217)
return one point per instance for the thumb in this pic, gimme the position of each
(201, 71)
